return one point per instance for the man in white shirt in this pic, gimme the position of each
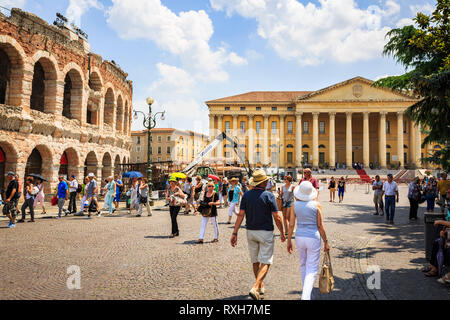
(377, 186)
(73, 186)
(390, 190)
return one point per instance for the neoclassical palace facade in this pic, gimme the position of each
(63, 109)
(348, 122)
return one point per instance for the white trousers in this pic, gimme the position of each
(221, 198)
(309, 253)
(232, 209)
(215, 226)
(141, 206)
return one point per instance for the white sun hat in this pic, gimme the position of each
(305, 191)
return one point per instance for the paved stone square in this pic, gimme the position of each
(126, 257)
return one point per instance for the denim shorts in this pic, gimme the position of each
(287, 204)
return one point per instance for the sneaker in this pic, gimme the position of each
(32, 220)
(21, 221)
(138, 215)
(9, 224)
(99, 214)
(12, 226)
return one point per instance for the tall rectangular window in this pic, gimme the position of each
(138, 149)
(388, 127)
(305, 127)
(159, 150)
(321, 157)
(168, 138)
(289, 157)
(290, 127)
(138, 140)
(322, 127)
(258, 127)
(242, 127)
(388, 158)
(159, 138)
(274, 127)
(257, 157)
(404, 126)
(258, 108)
(227, 126)
(168, 150)
(305, 157)
(405, 158)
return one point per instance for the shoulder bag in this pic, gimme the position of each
(326, 279)
(177, 201)
(207, 210)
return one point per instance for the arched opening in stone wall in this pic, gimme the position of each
(73, 95)
(40, 161)
(5, 77)
(107, 166)
(119, 114)
(34, 163)
(43, 91)
(68, 163)
(91, 164)
(63, 166)
(92, 110)
(108, 111)
(124, 160)
(117, 165)
(37, 101)
(125, 119)
(8, 161)
(11, 75)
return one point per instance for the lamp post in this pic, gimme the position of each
(149, 123)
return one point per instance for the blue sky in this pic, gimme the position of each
(183, 52)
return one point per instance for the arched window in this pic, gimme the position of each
(38, 88)
(108, 110)
(305, 146)
(322, 146)
(73, 95)
(437, 147)
(388, 146)
(289, 146)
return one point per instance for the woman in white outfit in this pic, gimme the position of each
(134, 203)
(40, 197)
(310, 231)
(210, 200)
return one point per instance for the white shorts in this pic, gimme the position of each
(261, 246)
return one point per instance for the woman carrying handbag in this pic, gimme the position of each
(176, 199)
(310, 232)
(208, 210)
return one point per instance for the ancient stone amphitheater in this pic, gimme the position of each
(63, 109)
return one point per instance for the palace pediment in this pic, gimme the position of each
(355, 89)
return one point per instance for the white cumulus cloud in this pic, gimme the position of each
(332, 30)
(13, 3)
(77, 8)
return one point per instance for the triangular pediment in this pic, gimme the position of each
(355, 89)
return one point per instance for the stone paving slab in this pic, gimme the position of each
(128, 257)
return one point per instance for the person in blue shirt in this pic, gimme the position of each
(63, 192)
(119, 185)
(234, 193)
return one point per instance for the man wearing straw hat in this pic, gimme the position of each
(259, 206)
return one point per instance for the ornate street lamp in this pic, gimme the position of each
(149, 123)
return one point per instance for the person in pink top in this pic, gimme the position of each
(307, 176)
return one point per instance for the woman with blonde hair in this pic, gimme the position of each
(110, 191)
(287, 194)
(310, 232)
(208, 208)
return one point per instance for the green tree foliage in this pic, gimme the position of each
(424, 51)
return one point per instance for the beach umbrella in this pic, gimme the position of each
(38, 176)
(178, 175)
(132, 174)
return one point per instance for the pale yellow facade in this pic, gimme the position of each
(167, 144)
(349, 122)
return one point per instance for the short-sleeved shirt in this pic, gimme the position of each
(91, 188)
(117, 187)
(236, 192)
(390, 188)
(62, 190)
(443, 186)
(12, 185)
(313, 181)
(258, 205)
(377, 184)
(212, 199)
(341, 185)
(73, 185)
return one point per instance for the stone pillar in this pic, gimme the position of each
(282, 142)
(418, 142)
(366, 143)
(348, 141)
(332, 140)
(235, 133)
(212, 131)
(412, 144)
(298, 139)
(218, 131)
(400, 137)
(251, 142)
(265, 157)
(382, 141)
(315, 139)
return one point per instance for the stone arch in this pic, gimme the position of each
(124, 160)
(73, 94)
(40, 161)
(12, 62)
(95, 83)
(119, 114)
(71, 162)
(109, 107)
(117, 168)
(106, 166)
(126, 116)
(44, 84)
(91, 164)
(8, 160)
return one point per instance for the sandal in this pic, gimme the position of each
(199, 241)
(215, 240)
(431, 274)
(426, 269)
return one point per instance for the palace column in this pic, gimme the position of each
(219, 130)
(282, 142)
(315, 139)
(332, 140)
(418, 142)
(366, 143)
(298, 139)
(251, 143)
(265, 157)
(348, 141)
(212, 131)
(400, 138)
(382, 141)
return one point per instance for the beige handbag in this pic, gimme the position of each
(326, 279)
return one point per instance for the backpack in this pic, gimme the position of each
(79, 188)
